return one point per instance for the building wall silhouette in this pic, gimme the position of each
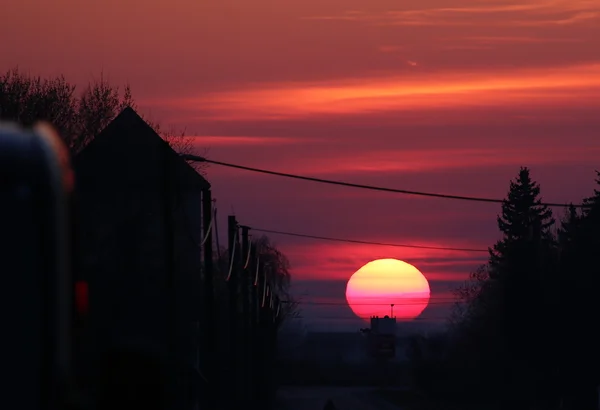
(139, 233)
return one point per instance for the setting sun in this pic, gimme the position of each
(379, 284)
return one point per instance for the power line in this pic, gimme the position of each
(356, 318)
(385, 298)
(431, 298)
(191, 157)
(370, 304)
(356, 241)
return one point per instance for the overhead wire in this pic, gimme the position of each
(356, 241)
(432, 297)
(365, 186)
(232, 256)
(257, 269)
(264, 292)
(356, 318)
(216, 230)
(248, 258)
(372, 304)
(209, 229)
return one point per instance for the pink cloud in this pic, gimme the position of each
(402, 160)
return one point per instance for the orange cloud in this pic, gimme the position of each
(235, 140)
(561, 21)
(519, 40)
(531, 13)
(548, 87)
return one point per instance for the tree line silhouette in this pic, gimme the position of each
(523, 332)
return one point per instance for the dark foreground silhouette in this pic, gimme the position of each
(329, 405)
(130, 380)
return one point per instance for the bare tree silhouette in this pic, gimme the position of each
(78, 117)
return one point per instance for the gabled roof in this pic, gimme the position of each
(128, 139)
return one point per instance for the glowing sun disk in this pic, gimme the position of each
(377, 285)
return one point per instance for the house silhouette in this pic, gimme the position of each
(138, 233)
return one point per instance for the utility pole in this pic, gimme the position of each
(232, 236)
(209, 296)
(254, 330)
(259, 339)
(263, 350)
(246, 283)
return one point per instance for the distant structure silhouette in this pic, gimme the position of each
(382, 337)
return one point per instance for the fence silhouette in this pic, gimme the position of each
(171, 322)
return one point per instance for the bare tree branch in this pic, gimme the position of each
(78, 118)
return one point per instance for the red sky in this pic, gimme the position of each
(430, 95)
